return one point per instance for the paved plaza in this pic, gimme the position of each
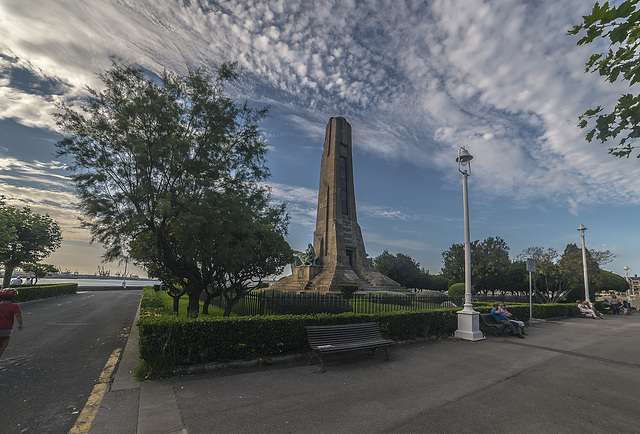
(568, 375)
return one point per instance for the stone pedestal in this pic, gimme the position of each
(306, 272)
(469, 325)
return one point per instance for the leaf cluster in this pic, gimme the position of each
(619, 26)
(27, 237)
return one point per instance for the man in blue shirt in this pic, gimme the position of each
(502, 319)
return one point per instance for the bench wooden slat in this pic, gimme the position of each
(345, 337)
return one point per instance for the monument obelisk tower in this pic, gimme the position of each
(338, 255)
(337, 240)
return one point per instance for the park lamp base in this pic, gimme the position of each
(469, 325)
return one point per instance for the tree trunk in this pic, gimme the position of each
(8, 271)
(193, 307)
(206, 304)
(176, 303)
(227, 310)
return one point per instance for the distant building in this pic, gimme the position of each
(634, 282)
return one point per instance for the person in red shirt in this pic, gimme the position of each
(8, 310)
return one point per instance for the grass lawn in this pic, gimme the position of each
(182, 309)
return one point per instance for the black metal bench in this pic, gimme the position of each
(490, 324)
(345, 337)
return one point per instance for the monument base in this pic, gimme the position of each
(469, 325)
(299, 280)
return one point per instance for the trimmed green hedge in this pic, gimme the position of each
(167, 341)
(36, 292)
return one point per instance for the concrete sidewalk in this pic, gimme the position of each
(569, 375)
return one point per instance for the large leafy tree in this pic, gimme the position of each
(401, 267)
(453, 262)
(572, 271)
(492, 258)
(561, 277)
(548, 283)
(489, 264)
(612, 281)
(163, 162)
(39, 270)
(619, 27)
(28, 237)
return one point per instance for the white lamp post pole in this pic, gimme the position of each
(468, 319)
(584, 264)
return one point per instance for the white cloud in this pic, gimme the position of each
(416, 81)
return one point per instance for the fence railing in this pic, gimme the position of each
(287, 303)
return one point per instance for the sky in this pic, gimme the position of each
(416, 80)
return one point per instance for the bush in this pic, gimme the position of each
(167, 342)
(151, 305)
(348, 290)
(37, 292)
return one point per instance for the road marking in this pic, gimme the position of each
(90, 410)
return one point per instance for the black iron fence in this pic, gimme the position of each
(287, 303)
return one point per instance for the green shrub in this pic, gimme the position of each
(456, 291)
(151, 304)
(347, 290)
(37, 292)
(167, 342)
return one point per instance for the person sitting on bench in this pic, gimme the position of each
(588, 311)
(502, 319)
(513, 319)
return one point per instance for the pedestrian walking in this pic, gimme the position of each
(8, 311)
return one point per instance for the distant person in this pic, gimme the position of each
(28, 281)
(502, 319)
(626, 307)
(16, 281)
(615, 304)
(8, 310)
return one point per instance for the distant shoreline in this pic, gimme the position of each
(95, 282)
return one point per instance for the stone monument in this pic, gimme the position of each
(337, 255)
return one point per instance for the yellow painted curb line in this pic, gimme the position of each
(88, 414)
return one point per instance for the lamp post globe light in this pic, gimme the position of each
(584, 264)
(468, 319)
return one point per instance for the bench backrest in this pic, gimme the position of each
(488, 319)
(343, 333)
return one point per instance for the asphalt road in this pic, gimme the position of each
(49, 369)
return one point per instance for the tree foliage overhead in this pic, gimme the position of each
(175, 167)
(619, 27)
(27, 237)
(489, 263)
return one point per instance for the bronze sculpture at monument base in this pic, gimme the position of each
(337, 255)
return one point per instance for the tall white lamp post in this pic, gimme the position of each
(468, 319)
(584, 264)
